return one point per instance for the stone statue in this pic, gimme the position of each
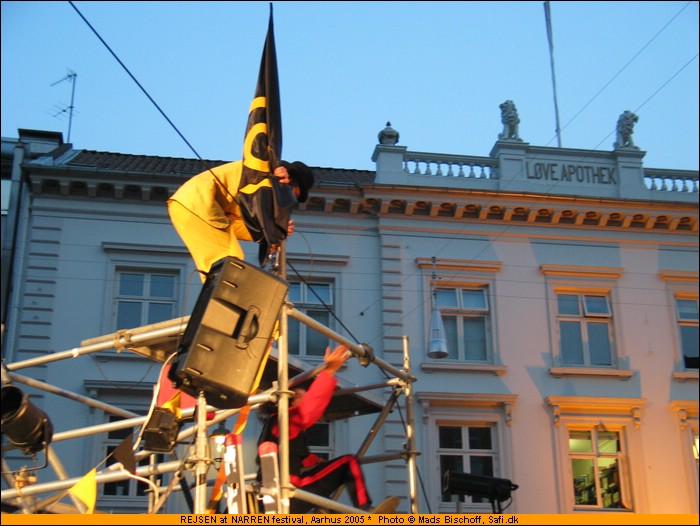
(625, 128)
(510, 120)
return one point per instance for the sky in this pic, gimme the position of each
(437, 71)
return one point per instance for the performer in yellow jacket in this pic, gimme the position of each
(208, 217)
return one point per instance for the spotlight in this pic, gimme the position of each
(26, 426)
(495, 489)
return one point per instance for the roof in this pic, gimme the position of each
(119, 162)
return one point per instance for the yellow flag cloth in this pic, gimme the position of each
(86, 490)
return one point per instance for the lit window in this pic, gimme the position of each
(316, 301)
(585, 330)
(143, 298)
(466, 317)
(596, 467)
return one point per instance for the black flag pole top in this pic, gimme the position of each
(266, 204)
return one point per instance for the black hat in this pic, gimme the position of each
(302, 176)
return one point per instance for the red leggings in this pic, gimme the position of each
(325, 478)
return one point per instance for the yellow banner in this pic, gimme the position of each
(409, 519)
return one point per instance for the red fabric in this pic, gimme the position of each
(312, 405)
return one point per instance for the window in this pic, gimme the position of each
(466, 449)
(466, 317)
(596, 463)
(316, 301)
(470, 433)
(585, 330)
(143, 298)
(596, 444)
(318, 439)
(687, 317)
(128, 488)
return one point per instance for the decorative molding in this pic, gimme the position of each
(596, 407)
(497, 370)
(582, 271)
(622, 374)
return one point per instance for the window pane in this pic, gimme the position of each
(475, 339)
(571, 343)
(316, 342)
(599, 342)
(295, 292)
(568, 304)
(450, 437)
(596, 304)
(450, 324)
(481, 466)
(473, 299)
(318, 293)
(131, 284)
(580, 442)
(318, 435)
(446, 298)
(687, 309)
(454, 464)
(689, 344)
(293, 335)
(162, 286)
(608, 442)
(480, 438)
(128, 314)
(159, 312)
(584, 481)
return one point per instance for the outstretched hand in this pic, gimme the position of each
(334, 359)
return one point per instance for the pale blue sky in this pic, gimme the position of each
(437, 70)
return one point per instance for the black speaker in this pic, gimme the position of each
(228, 333)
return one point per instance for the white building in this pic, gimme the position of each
(567, 281)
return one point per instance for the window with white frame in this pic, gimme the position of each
(470, 433)
(319, 439)
(687, 318)
(143, 297)
(596, 467)
(466, 317)
(128, 488)
(315, 299)
(585, 329)
(467, 449)
(595, 446)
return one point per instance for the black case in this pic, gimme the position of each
(228, 333)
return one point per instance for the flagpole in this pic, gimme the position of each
(548, 20)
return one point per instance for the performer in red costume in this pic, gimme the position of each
(308, 471)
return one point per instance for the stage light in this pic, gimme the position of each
(495, 489)
(217, 444)
(26, 426)
(437, 347)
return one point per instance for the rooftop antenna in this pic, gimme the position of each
(71, 77)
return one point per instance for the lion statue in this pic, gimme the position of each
(625, 128)
(510, 120)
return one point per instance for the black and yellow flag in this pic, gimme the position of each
(265, 204)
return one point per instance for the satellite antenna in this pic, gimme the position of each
(71, 77)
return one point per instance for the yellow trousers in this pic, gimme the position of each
(207, 244)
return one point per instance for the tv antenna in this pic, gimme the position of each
(71, 77)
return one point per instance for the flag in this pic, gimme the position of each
(266, 204)
(124, 453)
(86, 490)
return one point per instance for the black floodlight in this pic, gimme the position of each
(26, 426)
(495, 489)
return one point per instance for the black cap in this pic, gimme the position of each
(302, 176)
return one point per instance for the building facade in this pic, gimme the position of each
(566, 282)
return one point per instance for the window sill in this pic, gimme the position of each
(497, 370)
(682, 376)
(623, 374)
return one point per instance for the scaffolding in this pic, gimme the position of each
(159, 342)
